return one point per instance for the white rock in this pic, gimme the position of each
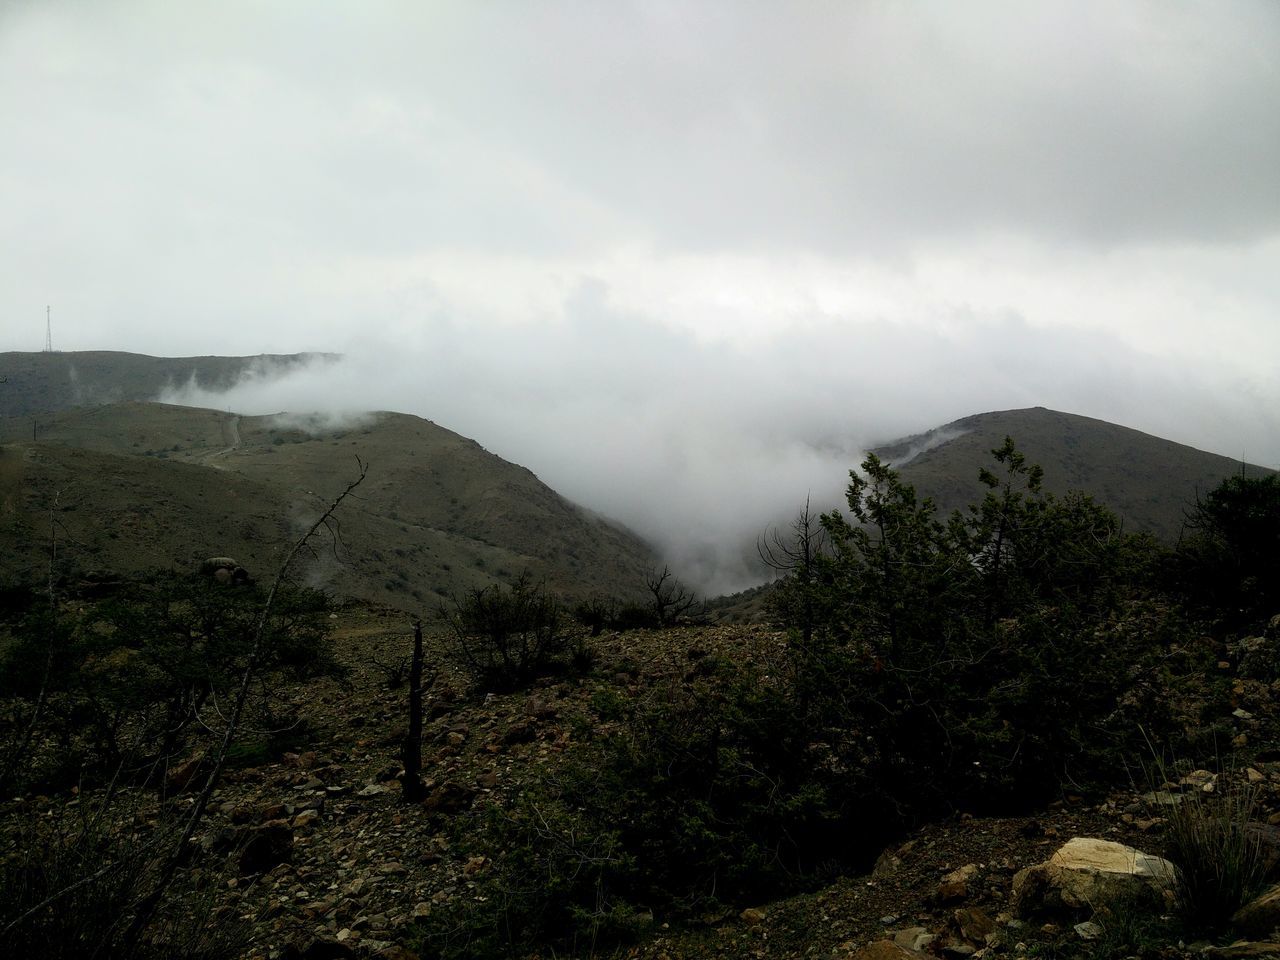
(1088, 930)
(1086, 873)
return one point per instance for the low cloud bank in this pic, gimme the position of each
(700, 445)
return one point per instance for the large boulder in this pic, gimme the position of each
(1087, 874)
(179, 777)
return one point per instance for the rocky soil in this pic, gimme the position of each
(325, 859)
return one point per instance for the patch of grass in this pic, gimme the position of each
(1220, 860)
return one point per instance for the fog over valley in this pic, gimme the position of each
(699, 446)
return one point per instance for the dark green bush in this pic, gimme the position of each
(634, 616)
(987, 655)
(704, 794)
(1228, 566)
(77, 879)
(504, 637)
(551, 882)
(123, 680)
(595, 613)
(600, 613)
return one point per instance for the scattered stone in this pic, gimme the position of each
(450, 797)
(752, 916)
(395, 952)
(179, 778)
(955, 885)
(1267, 837)
(885, 950)
(1260, 917)
(915, 939)
(1200, 780)
(974, 924)
(421, 910)
(1088, 930)
(321, 948)
(269, 846)
(1244, 949)
(372, 790)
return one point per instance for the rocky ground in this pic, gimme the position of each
(327, 860)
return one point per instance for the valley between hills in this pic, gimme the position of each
(872, 755)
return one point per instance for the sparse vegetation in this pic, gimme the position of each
(929, 668)
(506, 636)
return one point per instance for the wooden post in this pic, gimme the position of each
(411, 749)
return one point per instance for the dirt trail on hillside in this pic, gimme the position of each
(230, 436)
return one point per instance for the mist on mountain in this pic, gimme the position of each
(700, 445)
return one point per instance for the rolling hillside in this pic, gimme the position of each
(142, 484)
(1148, 481)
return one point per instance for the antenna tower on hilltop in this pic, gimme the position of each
(48, 332)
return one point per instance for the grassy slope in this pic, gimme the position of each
(1150, 482)
(437, 514)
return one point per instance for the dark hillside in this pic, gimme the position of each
(37, 383)
(1148, 481)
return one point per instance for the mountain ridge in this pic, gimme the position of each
(1149, 481)
(45, 382)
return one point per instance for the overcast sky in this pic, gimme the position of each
(682, 259)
